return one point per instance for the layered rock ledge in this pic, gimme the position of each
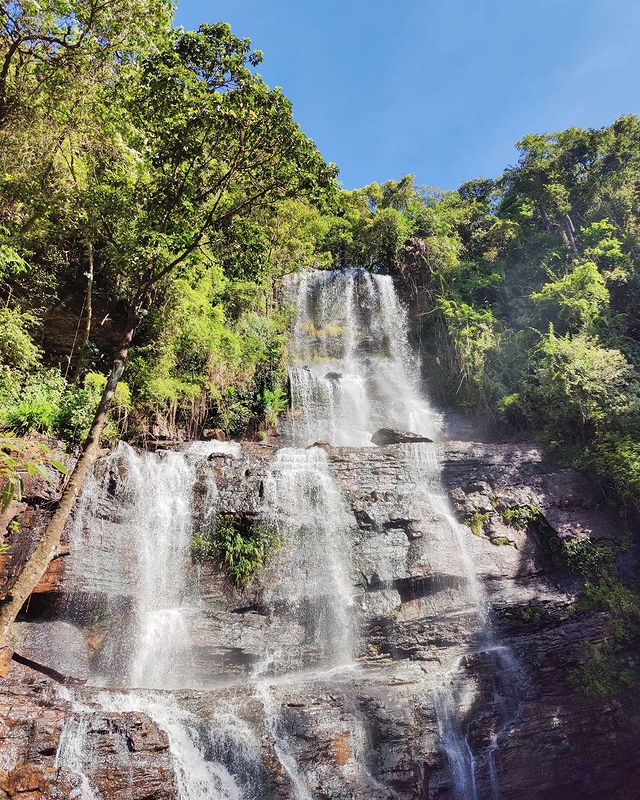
(375, 735)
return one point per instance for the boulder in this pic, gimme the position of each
(214, 433)
(320, 443)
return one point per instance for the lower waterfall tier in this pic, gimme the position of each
(359, 719)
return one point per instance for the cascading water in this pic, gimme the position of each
(144, 503)
(352, 370)
(214, 760)
(74, 754)
(302, 498)
(149, 515)
(315, 618)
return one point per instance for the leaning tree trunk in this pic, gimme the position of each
(86, 328)
(570, 234)
(46, 548)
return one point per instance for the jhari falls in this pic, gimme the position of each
(382, 650)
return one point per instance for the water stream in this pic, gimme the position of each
(352, 373)
(352, 370)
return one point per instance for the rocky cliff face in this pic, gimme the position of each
(49, 751)
(564, 744)
(374, 731)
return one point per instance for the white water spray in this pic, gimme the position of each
(353, 373)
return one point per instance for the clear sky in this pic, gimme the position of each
(439, 88)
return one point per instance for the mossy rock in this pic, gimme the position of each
(501, 540)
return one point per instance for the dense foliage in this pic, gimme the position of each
(149, 180)
(525, 292)
(525, 289)
(239, 545)
(153, 186)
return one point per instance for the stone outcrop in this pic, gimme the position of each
(22, 523)
(48, 750)
(386, 436)
(564, 745)
(375, 735)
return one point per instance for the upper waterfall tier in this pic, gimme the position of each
(352, 370)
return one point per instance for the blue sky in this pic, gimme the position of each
(439, 88)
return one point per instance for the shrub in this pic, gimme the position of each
(528, 614)
(37, 404)
(476, 521)
(274, 403)
(615, 459)
(589, 559)
(471, 335)
(43, 401)
(79, 407)
(579, 297)
(580, 386)
(599, 675)
(209, 358)
(202, 547)
(610, 594)
(17, 349)
(240, 546)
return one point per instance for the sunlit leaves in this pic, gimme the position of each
(20, 458)
(580, 297)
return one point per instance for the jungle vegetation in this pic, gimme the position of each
(154, 192)
(150, 182)
(525, 291)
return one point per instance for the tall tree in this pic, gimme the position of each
(207, 142)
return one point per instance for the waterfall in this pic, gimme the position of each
(303, 499)
(351, 554)
(352, 373)
(145, 503)
(142, 504)
(214, 760)
(74, 753)
(352, 369)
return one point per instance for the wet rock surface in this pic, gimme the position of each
(22, 522)
(564, 744)
(369, 730)
(47, 749)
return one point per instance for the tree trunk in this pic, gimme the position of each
(86, 330)
(65, 680)
(570, 231)
(46, 548)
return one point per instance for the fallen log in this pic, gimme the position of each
(65, 680)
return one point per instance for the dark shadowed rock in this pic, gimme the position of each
(390, 436)
(214, 433)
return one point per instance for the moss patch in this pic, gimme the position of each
(477, 521)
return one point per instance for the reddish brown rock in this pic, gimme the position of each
(127, 754)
